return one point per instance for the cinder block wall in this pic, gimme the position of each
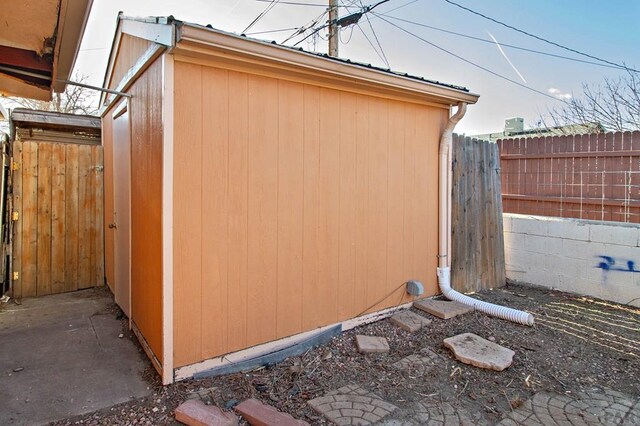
(599, 259)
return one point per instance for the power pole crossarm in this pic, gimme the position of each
(333, 28)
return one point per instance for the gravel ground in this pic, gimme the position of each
(577, 344)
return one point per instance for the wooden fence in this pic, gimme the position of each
(57, 212)
(477, 238)
(593, 176)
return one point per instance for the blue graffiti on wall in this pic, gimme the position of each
(608, 263)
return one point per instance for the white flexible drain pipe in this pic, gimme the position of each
(444, 258)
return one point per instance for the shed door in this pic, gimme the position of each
(121, 224)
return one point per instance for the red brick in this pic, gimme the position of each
(258, 414)
(196, 413)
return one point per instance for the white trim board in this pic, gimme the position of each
(167, 218)
(189, 371)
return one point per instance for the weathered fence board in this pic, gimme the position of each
(593, 176)
(477, 238)
(57, 241)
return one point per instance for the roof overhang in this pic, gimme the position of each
(39, 44)
(22, 117)
(219, 48)
(272, 59)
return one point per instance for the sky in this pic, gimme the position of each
(605, 29)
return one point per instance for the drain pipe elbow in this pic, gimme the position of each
(444, 260)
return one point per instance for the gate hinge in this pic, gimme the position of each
(15, 165)
(15, 216)
(16, 276)
(99, 168)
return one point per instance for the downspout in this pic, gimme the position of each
(444, 219)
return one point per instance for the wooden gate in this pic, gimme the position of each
(477, 238)
(57, 213)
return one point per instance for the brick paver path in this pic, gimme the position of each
(352, 405)
(420, 363)
(587, 408)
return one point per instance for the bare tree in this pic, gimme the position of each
(74, 100)
(614, 105)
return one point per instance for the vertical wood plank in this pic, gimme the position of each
(44, 220)
(98, 242)
(290, 207)
(215, 183)
(347, 295)
(395, 219)
(362, 204)
(377, 203)
(409, 182)
(424, 205)
(329, 205)
(17, 178)
(187, 213)
(85, 215)
(238, 211)
(58, 217)
(311, 314)
(29, 219)
(263, 208)
(71, 216)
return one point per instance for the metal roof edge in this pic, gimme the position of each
(241, 44)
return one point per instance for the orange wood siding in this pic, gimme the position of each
(129, 51)
(295, 206)
(145, 112)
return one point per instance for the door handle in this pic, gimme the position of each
(112, 226)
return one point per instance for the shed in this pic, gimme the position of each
(56, 203)
(257, 195)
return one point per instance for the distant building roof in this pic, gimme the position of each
(518, 131)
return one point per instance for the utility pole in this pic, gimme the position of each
(333, 28)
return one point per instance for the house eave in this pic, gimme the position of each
(193, 39)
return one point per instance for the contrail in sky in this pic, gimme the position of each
(506, 57)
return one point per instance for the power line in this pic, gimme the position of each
(485, 40)
(273, 31)
(553, 43)
(372, 46)
(386, 61)
(264, 12)
(304, 28)
(294, 3)
(363, 11)
(470, 62)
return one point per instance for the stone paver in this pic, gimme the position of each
(352, 405)
(430, 412)
(258, 414)
(606, 407)
(371, 344)
(442, 308)
(409, 321)
(420, 363)
(195, 413)
(473, 349)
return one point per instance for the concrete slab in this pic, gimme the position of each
(442, 308)
(371, 344)
(473, 349)
(409, 321)
(72, 360)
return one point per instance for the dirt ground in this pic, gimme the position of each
(577, 344)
